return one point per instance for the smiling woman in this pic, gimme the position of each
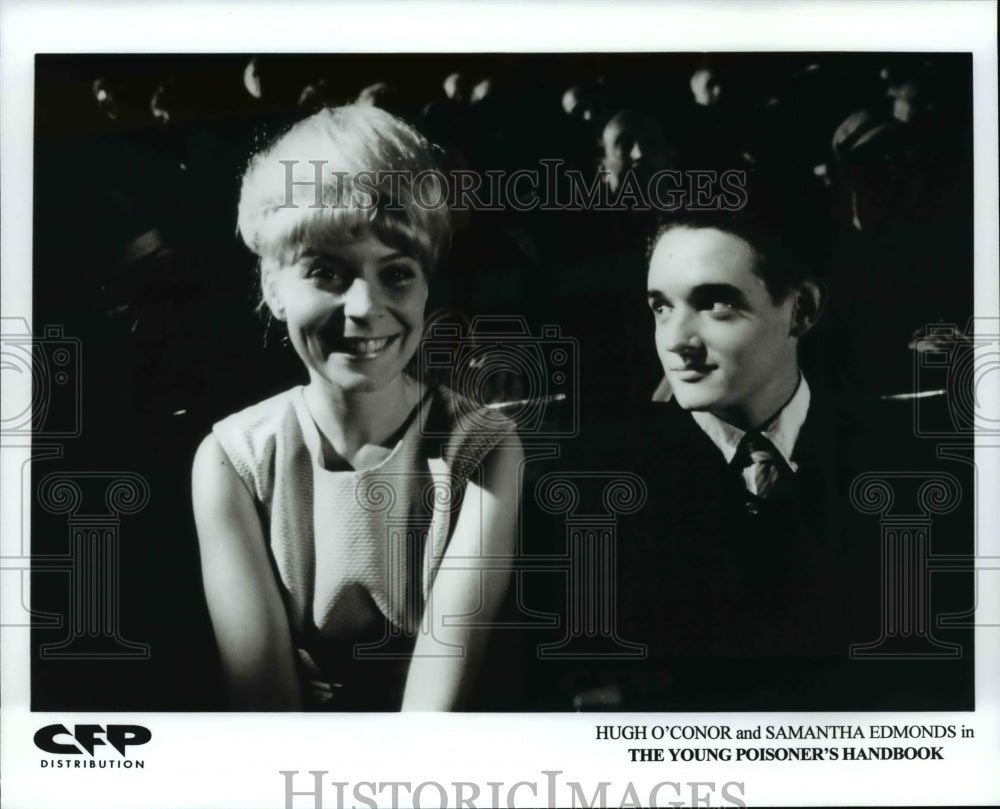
(336, 535)
(354, 312)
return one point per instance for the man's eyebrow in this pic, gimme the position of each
(718, 292)
(702, 292)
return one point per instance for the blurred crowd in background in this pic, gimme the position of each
(872, 151)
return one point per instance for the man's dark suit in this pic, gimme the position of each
(756, 607)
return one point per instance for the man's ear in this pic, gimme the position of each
(806, 307)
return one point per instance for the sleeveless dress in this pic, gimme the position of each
(355, 553)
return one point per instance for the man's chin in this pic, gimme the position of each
(688, 402)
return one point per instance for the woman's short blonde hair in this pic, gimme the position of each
(341, 174)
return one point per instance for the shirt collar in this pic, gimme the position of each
(782, 431)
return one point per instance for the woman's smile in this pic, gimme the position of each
(360, 348)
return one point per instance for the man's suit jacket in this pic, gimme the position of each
(744, 605)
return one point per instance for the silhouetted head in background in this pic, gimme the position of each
(578, 103)
(120, 101)
(482, 91)
(634, 142)
(456, 87)
(316, 95)
(380, 94)
(706, 89)
(252, 80)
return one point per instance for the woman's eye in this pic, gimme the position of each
(326, 274)
(398, 275)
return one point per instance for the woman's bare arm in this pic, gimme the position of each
(481, 548)
(249, 618)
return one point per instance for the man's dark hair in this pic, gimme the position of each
(783, 237)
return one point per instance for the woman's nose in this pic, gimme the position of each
(361, 301)
(636, 153)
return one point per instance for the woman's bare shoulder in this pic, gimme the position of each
(267, 411)
(250, 437)
(213, 473)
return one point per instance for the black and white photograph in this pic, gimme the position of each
(617, 416)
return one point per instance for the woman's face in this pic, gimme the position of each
(354, 311)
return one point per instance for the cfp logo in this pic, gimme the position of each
(88, 737)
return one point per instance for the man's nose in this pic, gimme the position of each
(681, 334)
(636, 153)
(361, 301)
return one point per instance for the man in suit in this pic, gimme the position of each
(751, 573)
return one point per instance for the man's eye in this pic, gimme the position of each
(722, 308)
(659, 307)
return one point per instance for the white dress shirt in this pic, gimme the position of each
(782, 430)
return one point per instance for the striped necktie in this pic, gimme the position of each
(760, 463)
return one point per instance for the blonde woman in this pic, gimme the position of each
(325, 513)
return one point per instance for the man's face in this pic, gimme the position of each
(725, 345)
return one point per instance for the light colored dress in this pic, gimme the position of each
(356, 552)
